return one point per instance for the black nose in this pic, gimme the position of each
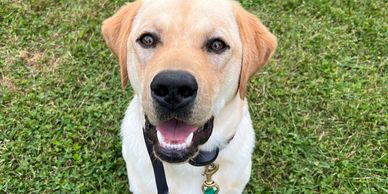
(174, 89)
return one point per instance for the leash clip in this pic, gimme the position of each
(209, 186)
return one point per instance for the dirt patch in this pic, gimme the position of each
(7, 83)
(30, 59)
(45, 61)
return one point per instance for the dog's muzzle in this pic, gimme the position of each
(174, 139)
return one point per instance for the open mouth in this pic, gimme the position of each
(175, 141)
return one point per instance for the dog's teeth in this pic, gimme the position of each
(174, 146)
(166, 145)
(160, 137)
(188, 140)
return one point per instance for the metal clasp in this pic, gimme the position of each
(210, 170)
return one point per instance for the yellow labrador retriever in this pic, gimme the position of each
(188, 62)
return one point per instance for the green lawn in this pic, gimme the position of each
(319, 108)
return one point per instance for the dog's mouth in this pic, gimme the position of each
(175, 141)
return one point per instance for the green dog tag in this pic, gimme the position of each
(210, 190)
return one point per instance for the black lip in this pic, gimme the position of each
(200, 137)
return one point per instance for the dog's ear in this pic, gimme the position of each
(258, 45)
(116, 30)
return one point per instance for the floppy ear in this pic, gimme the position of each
(116, 30)
(258, 45)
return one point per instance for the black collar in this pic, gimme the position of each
(202, 159)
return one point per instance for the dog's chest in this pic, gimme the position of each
(184, 178)
(188, 179)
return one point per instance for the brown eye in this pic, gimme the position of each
(148, 40)
(216, 46)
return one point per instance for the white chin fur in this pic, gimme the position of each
(184, 145)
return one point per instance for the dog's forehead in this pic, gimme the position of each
(186, 16)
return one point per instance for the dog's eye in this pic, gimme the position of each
(148, 40)
(216, 45)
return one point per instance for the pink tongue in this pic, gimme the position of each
(175, 132)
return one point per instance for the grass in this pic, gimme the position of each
(319, 108)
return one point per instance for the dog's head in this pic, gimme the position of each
(186, 60)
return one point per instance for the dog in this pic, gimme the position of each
(189, 63)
